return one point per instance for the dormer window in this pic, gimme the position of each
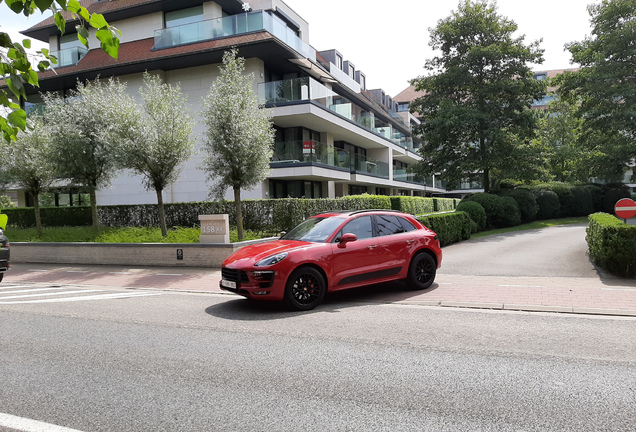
(541, 76)
(339, 61)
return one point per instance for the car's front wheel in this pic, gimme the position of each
(305, 289)
(421, 272)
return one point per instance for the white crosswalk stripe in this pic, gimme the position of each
(23, 294)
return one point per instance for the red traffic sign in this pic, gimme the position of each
(625, 208)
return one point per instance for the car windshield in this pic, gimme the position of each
(315, 230)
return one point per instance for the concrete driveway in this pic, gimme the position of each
(559, 251)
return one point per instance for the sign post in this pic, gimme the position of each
(625, 209)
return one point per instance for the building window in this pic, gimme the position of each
(339, 61)
(295, 189)
(541, 76)
(357, 190)
(184, 16)
(403, 106)
(70, 41)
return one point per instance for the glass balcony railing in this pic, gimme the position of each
(309, 152)
(232, 26)
(443, 184)
(403, 175)
(317, 153)
(69, 56)
(308, 89)
(365, 165)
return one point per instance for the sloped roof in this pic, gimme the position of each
(409, 94)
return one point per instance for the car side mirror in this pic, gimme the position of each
(282, 233)
(346, 238)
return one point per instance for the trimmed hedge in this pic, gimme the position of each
(413, 205)
(449, 227)
(501, 212)
(527, 203)
(612, 244)
(24, 217)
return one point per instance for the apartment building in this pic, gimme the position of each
(334, 137)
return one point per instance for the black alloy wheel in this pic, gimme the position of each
(305, 289)
(421, 272)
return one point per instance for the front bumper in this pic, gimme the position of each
(254, 283)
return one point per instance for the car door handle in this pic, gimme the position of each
(373, 247)
(409, 241)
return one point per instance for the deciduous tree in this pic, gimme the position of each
(477, 95)
(87, 129)
(161, 142)
(605, 86)
(239, 133)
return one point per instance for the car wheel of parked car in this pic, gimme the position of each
(305, 289)
(1, 275)
(421, 272)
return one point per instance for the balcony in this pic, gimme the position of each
(315, 153)
(401, 174)
(309, 153)
(232, 26)
(69, 56)
(308, 89)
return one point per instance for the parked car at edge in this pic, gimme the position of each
(335, 251)
(4, 254)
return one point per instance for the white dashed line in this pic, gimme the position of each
(83, 298)
(28, 425)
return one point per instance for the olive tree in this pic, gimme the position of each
(239, 133)
(30, 163)
(162, 141)
(87, 130)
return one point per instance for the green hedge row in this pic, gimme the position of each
(449, 227)
(612, 244)
(24, 217)
(421, 205)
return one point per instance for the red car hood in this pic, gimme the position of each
(249, 255)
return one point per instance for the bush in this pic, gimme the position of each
(476, 213)
(527, 203)
(583, 203)
(548, 203)
(596, 192)
(445, 204)
(449, 227)
(24, 217)
(501, 212)
(5, 202)
(611, 196)
(612, 244)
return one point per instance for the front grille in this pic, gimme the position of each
(238, 276)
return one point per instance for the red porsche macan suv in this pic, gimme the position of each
(333, 251)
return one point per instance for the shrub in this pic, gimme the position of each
(449, 227)
(5, 202)
(583, 203)
(24, 217)
(527, 203)
(548, 203)
(612, 244)
(501, 212)
(476, 213)
(445, 204)
(596, 192)
(611, 196)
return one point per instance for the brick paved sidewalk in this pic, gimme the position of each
(600, 295)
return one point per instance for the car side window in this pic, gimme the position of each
(360, 226)
(388, 225)
(407, 225)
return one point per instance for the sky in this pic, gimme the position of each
(390, 44)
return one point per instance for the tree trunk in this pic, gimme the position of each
(486, 180)
(239, 212)
(94, 210)
(162, 214)
(36, 209)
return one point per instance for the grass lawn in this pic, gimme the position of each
(117, 235)
(534, 225)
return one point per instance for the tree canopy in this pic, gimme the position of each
(239, 133)
(605, 86)
(478, 92)
(16, 67)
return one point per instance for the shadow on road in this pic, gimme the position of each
(241, 309)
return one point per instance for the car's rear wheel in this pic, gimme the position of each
(305, 289)
(421, 272)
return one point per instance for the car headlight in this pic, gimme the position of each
(274, 259)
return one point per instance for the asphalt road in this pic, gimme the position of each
(559, 251)
(192, 362)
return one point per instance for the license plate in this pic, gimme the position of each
(228, 284)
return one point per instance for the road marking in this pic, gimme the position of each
(76, 271)
(121, 273)
(168, 274)
(48, 294)
(618, 289)
(29, 425)
(14, 287)
(37, 270)
(523, 286)
(82, 298)
(33, 289)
